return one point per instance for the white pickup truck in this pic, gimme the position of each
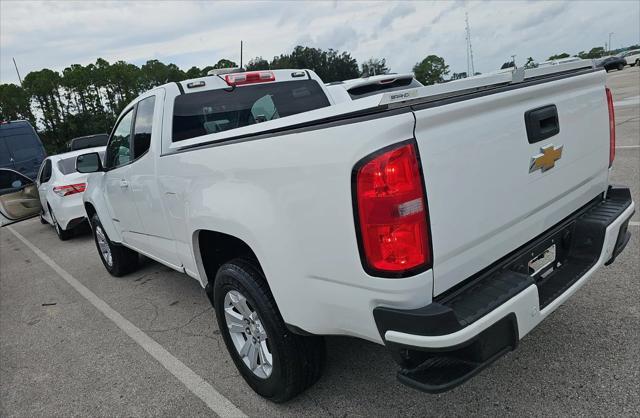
(444, 222)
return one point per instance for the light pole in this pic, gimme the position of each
(610, 33)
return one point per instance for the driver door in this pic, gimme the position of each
(118, 194)
(19, 197)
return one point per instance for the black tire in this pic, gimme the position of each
(298, 360)
(42, 220)
(638, 62)
(61, 233)
(123, 260)
(620, 67)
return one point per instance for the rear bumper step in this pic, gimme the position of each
(443, 344)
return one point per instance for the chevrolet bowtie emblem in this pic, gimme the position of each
(546, 159)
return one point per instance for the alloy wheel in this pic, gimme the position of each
(249, 336)
(103, 245)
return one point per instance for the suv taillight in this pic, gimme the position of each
(70, 189)
(612, 127)
(391, 212)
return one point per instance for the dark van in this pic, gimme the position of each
(20, 148)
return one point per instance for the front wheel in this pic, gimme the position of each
(275, 362)
(117, 259)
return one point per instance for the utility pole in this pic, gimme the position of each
(17, 72)
(240, 54)
(610, 33)
(470, 68)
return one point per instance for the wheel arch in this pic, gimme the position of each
(213, 248)
(93, 207)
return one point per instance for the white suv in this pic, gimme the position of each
(632, 57)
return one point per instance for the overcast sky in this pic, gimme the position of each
(57, 34)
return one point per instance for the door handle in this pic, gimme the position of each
(124, 184)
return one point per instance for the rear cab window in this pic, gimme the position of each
(213, 111)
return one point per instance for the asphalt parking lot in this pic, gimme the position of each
(65, 352)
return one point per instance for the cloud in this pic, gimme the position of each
(397, 12)
(56, 34)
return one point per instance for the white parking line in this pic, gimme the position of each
(627, 146)
(196, 384)
(634, 223)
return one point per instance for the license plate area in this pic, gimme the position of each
(544, 263)
(546, 256)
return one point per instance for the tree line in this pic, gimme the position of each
(86, 99)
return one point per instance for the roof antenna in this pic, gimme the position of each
(470, 68)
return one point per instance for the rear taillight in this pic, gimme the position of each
(391, 212)
(612, 127)
(250, 77)
(70, 189)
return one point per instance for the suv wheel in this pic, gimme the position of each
(62, 234)
(275, 362)
(620, 67)
(117, 259)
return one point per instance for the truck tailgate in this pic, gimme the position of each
(484, 198)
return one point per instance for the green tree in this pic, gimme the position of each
(559, 56)
(15, 103)
(595, 52)
(225, 63)
(194, 72)
(530, 63)
(154, 73)
(374, 66)
(340, 66)
(431, 70)
(257, 63)
(329, 65)
(44, 87)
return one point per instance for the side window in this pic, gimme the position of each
(45, 175)
(10, 181)
(142, 126)
(119, 147)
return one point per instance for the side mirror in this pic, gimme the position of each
(89, 163)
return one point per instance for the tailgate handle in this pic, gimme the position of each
(541, 123)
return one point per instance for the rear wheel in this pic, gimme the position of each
(638, 62)
(117, 259)
(275, 362)
(62, 234)
(42, 220)
(620, 67)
